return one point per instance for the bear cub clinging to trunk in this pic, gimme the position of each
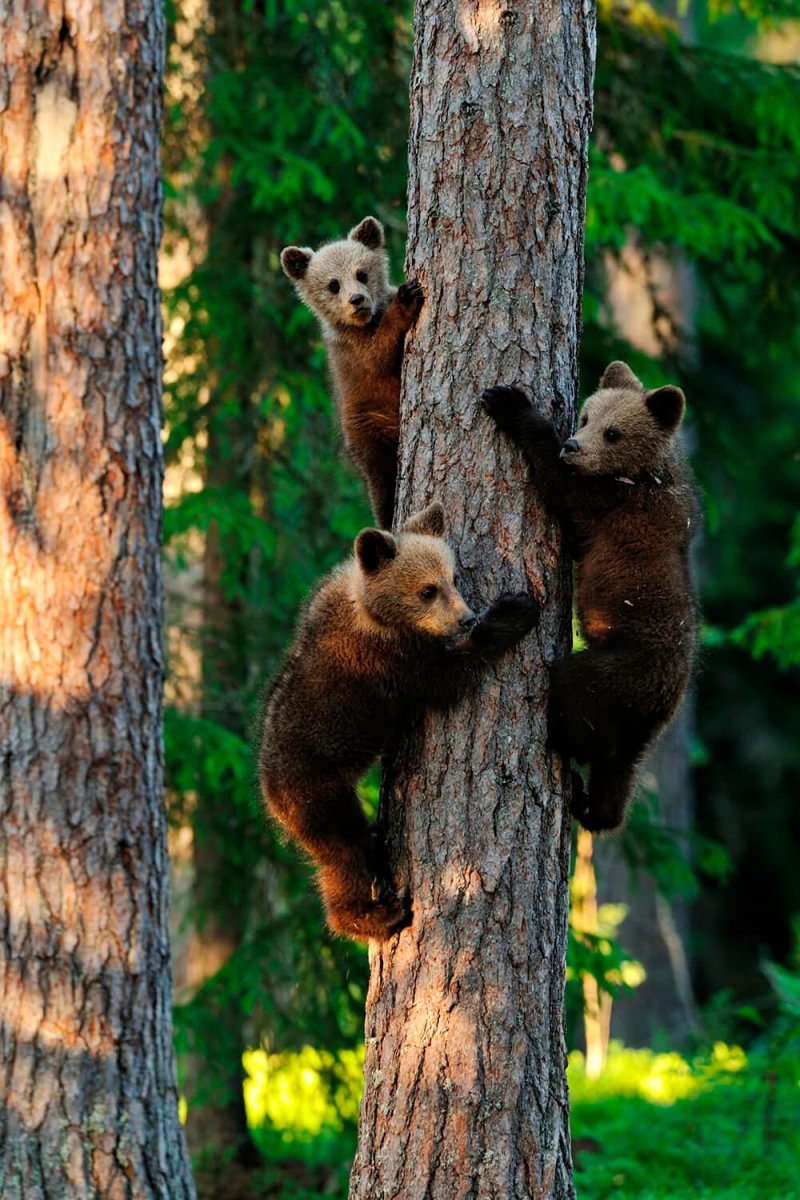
(364, 322)
(624, 494)
(385, 636)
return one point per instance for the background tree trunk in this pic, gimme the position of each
(214, 1075)
(465, 1070)
(656, 929)
(86, 1062)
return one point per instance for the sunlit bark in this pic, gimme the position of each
(596, 1001)
(86, 1065)
(465, 1071)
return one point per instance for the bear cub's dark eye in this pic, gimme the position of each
(361, 276)
(333, 286)
(612, 434)
(429, 592)
(584, 420)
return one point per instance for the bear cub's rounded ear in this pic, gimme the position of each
(295, 260)
(667, 404)
(429, 521)
(369, 232)
(374, 548)
(619, 375)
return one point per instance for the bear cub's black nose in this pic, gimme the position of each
(468, 621)
(570, 446)
(356, 300)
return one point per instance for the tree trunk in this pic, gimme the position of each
(656, 929)
(465, 1071)
(596, 1001)
(214, 1075)
(89, 1095)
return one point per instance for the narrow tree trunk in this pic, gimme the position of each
(217, 1118)
(465, 1072)
(596, 1001)
(656, 929)
(86, 1063)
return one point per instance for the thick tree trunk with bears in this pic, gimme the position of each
(465, 1070)
(89, 1099)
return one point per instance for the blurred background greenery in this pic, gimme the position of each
(287, 122)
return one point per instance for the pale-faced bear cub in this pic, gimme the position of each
(385, 636)
(623, 491)
(364, 322)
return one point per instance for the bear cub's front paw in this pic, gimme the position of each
(411, 295)
(506, 405)
(513, 412)
(515, 612)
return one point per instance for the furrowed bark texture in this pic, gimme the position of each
(466, 1093)
(89, 1102)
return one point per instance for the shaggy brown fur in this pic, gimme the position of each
(386, 635)
(623, 491)
(364, 322)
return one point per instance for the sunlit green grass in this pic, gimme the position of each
(653, 1127)
(657, 1127)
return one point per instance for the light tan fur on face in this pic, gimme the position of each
(391, 595)
(364, 323)
(340, 262)
(643, 442)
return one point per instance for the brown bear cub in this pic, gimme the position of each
(386, 636)
(624, 494)
(364, 322)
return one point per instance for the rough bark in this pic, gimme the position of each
(86, 1062)
(465, 1071)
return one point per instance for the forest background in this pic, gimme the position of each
(286, 123)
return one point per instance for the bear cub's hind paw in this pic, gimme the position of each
(384, 914)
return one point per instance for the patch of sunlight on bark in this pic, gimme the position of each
(480, 21)
(56, 555)
(55, 121)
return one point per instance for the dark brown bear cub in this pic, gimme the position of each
(625, 497)
(364, 321)
(385, 636)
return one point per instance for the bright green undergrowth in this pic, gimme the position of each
(655, 1126)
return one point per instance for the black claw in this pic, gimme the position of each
(503, 394)
(410, 292)
(511, 616)
(519, 604)
(507, 406)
